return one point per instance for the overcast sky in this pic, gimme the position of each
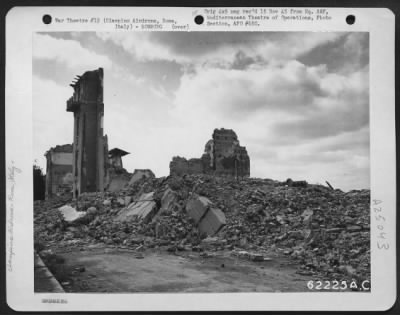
(298, 101)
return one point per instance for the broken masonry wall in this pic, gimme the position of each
(243, 162)
(117, 176)
(181, 166)
(59, 170)
(208, 157)
(207, 163)
(89, 144)
(230, 158)
(195, 166)
(178, 166)
(222, 155)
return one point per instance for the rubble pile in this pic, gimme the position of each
(325, 230)
(49, 224)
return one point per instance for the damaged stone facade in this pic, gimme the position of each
(117, 175)
(90, 151)
(223, 156)
(115, 158)
(59, 170)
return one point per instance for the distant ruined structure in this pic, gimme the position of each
(115, 158)
(90, 149)
(58, 170)
(118, 177)
(88, 166)
(223, 155)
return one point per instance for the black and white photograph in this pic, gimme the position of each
(201, 162)
(200, 159)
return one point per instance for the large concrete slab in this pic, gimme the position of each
(212, 222)
(142, 209)
(196, 207)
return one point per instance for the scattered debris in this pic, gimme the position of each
(324, 231)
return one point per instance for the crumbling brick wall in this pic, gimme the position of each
(223, 155)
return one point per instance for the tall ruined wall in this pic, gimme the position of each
(222, 156)
(89, 156)
(243, 162)
(229, 157)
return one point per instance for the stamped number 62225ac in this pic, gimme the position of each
(336, 285)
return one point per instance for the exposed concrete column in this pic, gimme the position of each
(88, 108)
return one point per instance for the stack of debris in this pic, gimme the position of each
(325, 230)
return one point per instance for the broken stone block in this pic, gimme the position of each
(143, 209)
(212, 222)
(140, 174)
(168, 200)
(91, 211)
(197, 207)
(70, 214)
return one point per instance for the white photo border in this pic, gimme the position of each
(22, 22)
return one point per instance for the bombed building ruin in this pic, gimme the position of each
(222, 156)
(118, 176)
(90, 151)
(115, 158)
(58, 170)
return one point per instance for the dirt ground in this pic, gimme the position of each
(102, 269)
